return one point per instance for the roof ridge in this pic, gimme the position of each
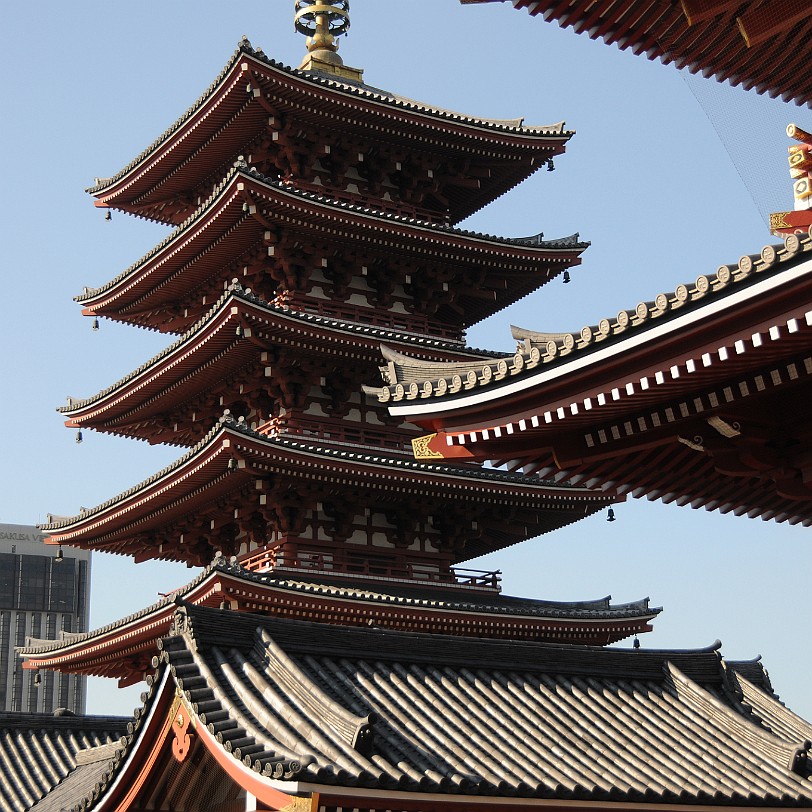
(787, 754)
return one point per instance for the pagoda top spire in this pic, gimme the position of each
(322, 22)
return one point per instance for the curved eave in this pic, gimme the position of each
(214, 129)
(119, 649)
(231, 457)
(211, 351)
(246, 204)
(651, 355)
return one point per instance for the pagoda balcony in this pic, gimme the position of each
(328, 564)
(360, 435)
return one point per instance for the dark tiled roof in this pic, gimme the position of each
(409, 712)
(358, 90)
(38, 755)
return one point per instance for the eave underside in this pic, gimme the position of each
(186, 512)
(258, 108)
(276, 240)
(757, 45)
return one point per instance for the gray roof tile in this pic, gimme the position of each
(454, 716)
(38, 753)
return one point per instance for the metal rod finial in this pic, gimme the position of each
(322, 22)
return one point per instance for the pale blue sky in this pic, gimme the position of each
(88, 85)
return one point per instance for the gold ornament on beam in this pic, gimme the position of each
(421, 450)
(321, 22)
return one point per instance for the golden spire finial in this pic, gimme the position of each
(322, 21)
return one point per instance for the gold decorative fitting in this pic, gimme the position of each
(321, 22)
(421, 450)
(298, 805)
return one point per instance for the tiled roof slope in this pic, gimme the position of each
(405, 713)
(38, 752)
(412, 379)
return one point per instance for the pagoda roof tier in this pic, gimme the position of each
(232, 465)
(223, 356)
(695, 397)
(46, 754)
(256, 100)
(124, 649)
(747, 43)
(375, 719)
(252, 222)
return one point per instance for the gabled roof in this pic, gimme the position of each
(45, 754)
(303, 708)
(759, 45)
(123, 649)
(235, 110)
(233, 457)
(245, 210)
(697, 396)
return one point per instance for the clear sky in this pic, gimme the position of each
(646, 179)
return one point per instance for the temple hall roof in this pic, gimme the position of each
(697, 396)
(53, 755)
(538, 351)
(304, 708)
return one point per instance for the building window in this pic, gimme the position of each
(63, 586)
(8, 579)
(33, 592)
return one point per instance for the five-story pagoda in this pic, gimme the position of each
(315, 220)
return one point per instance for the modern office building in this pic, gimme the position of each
(43, 593)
